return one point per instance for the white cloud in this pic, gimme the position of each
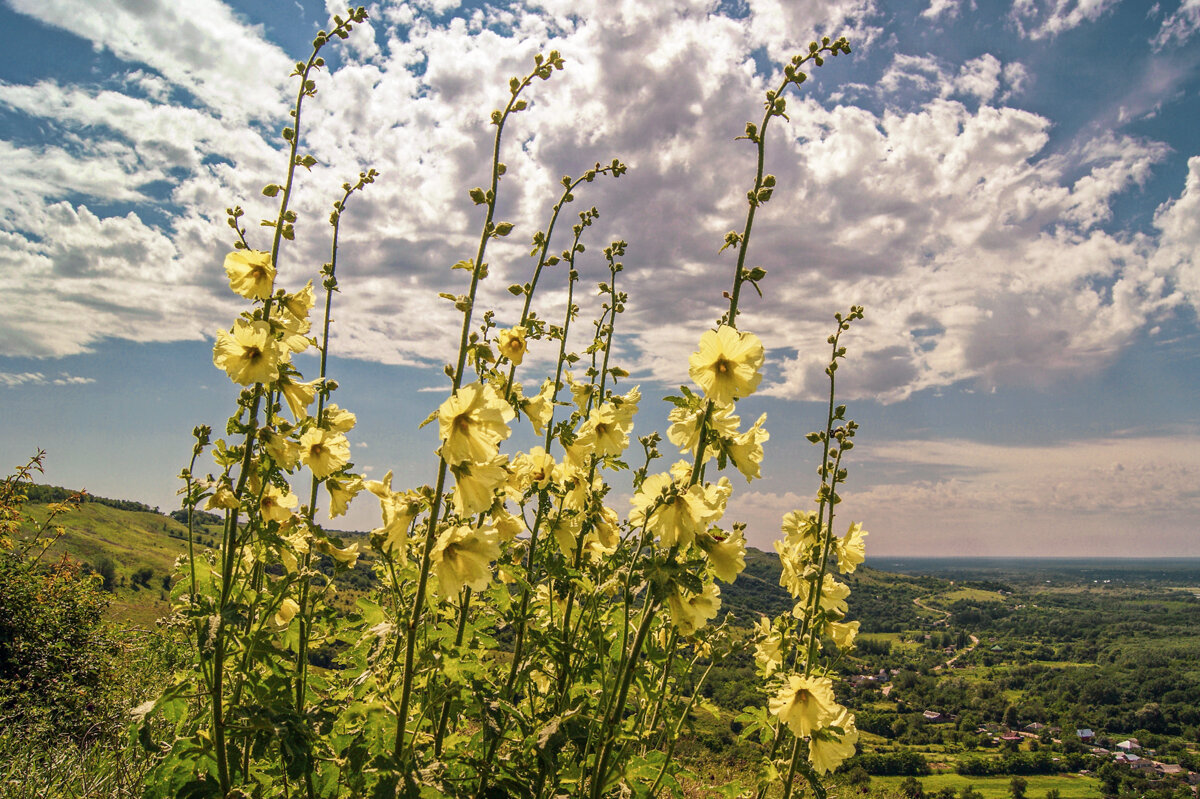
(972, 248)
(1040, 19)
(1179, 26)
(938, 8)
(200, 46)
(14, 379)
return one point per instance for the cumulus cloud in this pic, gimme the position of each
(979, 254)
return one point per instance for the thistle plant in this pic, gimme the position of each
(527, 637)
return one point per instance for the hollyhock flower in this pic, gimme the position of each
(398, 508)
(248, 353)
(827, 749)
(472, 424)
(726, 364)
(251, 274)
(512, 344)
(462, 556)
(805, 704)
(324, 452)
(691, 612)
(476, 484)
(726, 556)
(851, 549)
(747, 449)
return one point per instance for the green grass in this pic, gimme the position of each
(974, 594)
(1070, 786)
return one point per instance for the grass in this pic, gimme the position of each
(973, 594)
(1070, 786)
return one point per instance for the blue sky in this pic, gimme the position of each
(1011, 189)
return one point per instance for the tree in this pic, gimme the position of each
(912, 788)
(1017, 787)
(107, 570)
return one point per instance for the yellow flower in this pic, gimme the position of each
(606, 431)
(800, 528)
(827, 750)
(476, 483)
(284, 451)
(747, 449)
(726, 556)
(248, 353)
(222, 498)
(299, 304)
(324, 452)
(842, 633)
(297, 540)
(341, 492)
(512, 344)
(605, 535)
(833, 596)
(508, 525)
(298, 395)
(673, 513)
(275, 504)
(768, 650)
(251, 274)
(565, 528)
(339, 420)
(539, 409)
(472, 424)
(690, 613)
(580, 392)
(398, 510)
(851, 549)
(684, 431)
(288, 609)
(805, 704)
(797, 568)
(348, 556)
(534, 469)
(727, 363)
(462, 557)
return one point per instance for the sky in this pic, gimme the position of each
(1011, 189)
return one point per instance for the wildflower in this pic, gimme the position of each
(692, 612)
(827, 749)
(581, 393)
(222, 498)
(462, 557)
(673, 513)
(324, 452)
(684, 431)
(251, 274)
(341, 492)
(540, 408)
(805, 704)
(606, 431)
(296, 541)
(797, 568)
(565, 528)
(298, 305)
(338, 420)
(472, 424)
(283, 450)
(248, 353)
(533, 469)
(288, 609)
(851, 549)
(726, 556)
(747, 449)
(800, 528)
(605, 536)
(398, 508)
(512, 344)
(275, 504)
(476, 483)
(768, 650)
(842, 633)
(508, 525)
(726, 365)
(298, 395)
(348, 556)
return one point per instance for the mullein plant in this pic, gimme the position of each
(528, 638)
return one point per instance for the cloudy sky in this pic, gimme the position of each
(1011, 189)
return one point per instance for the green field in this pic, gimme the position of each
(1070, 786)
